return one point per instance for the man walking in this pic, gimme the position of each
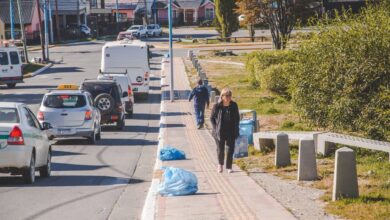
(201, 99)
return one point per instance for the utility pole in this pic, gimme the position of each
(172, 95)
(11, 15)
(41, 29)
(51, 23)
(117, 15)
(155, 11)
(58, 24)
(146, 12)
(78, 11)
(46, 21)
(22, 31)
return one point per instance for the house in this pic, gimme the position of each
(29, 12)
(70, 12)
(184, 12)
(126, 8)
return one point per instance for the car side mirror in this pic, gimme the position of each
(125, 94)
(46, 126)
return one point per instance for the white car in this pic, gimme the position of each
(24, 146)
(154, 30)
(125, 84)
(71, 112)
(138, 31)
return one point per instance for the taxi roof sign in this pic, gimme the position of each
(67, 87)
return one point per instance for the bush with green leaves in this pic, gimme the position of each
(342, 73)
(258, 64)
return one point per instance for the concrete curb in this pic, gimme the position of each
(148, 211)
(41, 70)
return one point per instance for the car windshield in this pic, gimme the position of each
(9, 115)
(64, 101)
(150, 26)
(134, 28)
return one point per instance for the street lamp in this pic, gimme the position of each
(172, 95)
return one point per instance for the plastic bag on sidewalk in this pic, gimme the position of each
(241, 147)
(178, 182)
(171, 153)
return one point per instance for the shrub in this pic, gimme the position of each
(258, 62)
(276, 78)
(342, 73)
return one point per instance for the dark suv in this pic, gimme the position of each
(107, 95)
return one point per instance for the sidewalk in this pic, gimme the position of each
(220, 196)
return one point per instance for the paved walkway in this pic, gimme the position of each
(220, 196)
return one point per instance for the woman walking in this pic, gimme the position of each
(225, 119)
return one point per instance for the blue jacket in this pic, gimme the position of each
(200, 95)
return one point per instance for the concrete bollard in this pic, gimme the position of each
(345, 183)
(282, 152)
(189, 54)
(325, 148)
(307, 165)
(212, 96)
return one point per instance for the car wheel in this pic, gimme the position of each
(99, 134)
(120, 125)
(46, 170)
(11, 85)
(104, 102)
(92, 139)
(29, 173)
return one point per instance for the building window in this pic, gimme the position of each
(209, 13)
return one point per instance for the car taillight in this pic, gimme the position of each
(88, 115)
(41, 116)
(146, 76)
(15, 137)
(129, 91)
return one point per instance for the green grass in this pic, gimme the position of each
(31, 67)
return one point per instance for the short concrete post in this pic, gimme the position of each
(345, 183)
(307, 165)
(189, 54)
(282, 152)
(212, 96)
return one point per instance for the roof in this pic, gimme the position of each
(127, 6)
(26, 11)
(120, 43)
(67, 92)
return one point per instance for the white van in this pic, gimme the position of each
(10, 66)
(131, 57)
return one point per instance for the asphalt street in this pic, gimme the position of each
(106, 180)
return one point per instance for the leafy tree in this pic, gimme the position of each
(250, 9)
(226, 17)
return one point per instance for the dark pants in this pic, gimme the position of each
(199, 112)
(221, 151)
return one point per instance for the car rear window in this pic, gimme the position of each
(14, 57)
(96, 89)
(9, 115)
(64, 101)
(4, 58)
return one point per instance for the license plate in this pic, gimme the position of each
(64, 131)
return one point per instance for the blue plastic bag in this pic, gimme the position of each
(170, 153)
(178, 182)
(241, 147)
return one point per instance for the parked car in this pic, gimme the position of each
(79, 30)
(125, 35)
(125, 84)
(154, 30)
(107, 97)
(71, 113)
(138, 31)
(24, 146)
(10, 66)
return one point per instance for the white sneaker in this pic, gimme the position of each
(220, 168)
(230, 170)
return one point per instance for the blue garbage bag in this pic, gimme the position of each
(178, 182)
(171, 153)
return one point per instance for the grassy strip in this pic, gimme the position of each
(31, 67)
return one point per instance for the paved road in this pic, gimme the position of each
(106, 180)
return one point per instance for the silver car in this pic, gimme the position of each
(71, 114)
